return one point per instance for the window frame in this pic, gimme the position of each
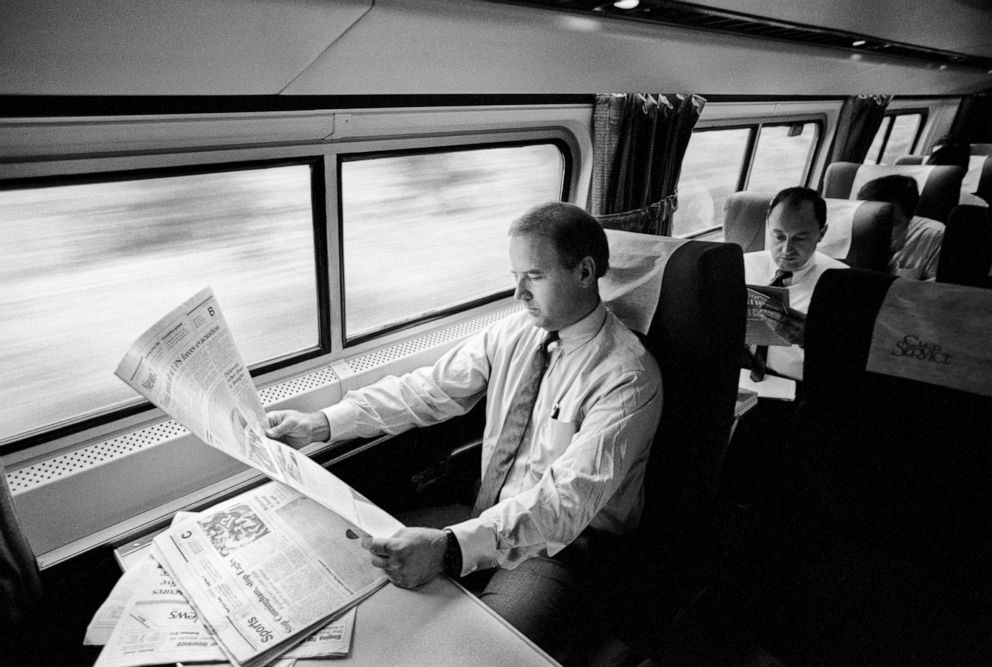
(137, 404)
(56, 151)
(433, 315)
(889, 121)
(754, 126)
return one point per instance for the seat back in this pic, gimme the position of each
(939, 186)
(977, 180)
(889, 474)
(858, 232)
(966, 250)
(695, 331)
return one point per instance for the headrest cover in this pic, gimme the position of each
(919, 172)
(632, 286)
(974, 175)
(936, 333)
(836, 242)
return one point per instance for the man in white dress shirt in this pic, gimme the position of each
(795, 224)
(578, 472)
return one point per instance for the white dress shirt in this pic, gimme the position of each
(583, 457)
(918, 257)
(759, 269)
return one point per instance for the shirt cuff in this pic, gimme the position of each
(343, 419)
(478, 545)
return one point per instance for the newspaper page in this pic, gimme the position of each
(188, 365)
(759, 297)
(267, 568)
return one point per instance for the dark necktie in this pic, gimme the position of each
(518, 416)
(761, 351)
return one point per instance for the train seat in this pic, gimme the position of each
(940, 186)
(695, 332)
(978, 179)
(858, 232)
(882, 547)
(966, 251)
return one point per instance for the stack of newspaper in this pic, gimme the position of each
(274, 572)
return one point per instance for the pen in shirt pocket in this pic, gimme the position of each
(554, 411)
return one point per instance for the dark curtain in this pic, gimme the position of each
(638, 144)
(974, 119)
(20, 582)
(860, 118)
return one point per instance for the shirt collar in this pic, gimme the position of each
(799, 273)
(577, 333)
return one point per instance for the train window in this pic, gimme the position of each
(782, 155)
(898, 135)
(424, 232)
(710, 173)
(719, 162)
(90, 264)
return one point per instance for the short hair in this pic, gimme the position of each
(574, 232)
(895, 188)
(796, 196)
(952, 150)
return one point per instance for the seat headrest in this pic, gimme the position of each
(939, 185)
(858, 232)
(632, 286)
(936, 333)
(978, 179)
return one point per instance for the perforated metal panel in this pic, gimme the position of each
(87, 457)
(27, 478)
(386, 355)
(298, 385)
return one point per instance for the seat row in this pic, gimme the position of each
(859, 232)
(875, 545)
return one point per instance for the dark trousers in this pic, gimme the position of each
(551, 600)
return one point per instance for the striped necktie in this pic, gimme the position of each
(761, 351)
(518, 417)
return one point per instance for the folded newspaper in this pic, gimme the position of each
(759, 330)
(146, 618)
(265, 569)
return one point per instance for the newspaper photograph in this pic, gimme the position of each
(187, 364)
(267, 568)
(760, 330)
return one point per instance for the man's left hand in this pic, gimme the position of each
(411, 557)
(789, 325)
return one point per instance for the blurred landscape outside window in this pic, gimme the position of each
(86, 268)
(710, 172)
(897, 136)
(782, 156)
(715, 160)
(426, 232)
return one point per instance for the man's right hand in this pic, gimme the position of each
(297, 429)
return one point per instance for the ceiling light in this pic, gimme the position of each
(626, 4)
(859, 42)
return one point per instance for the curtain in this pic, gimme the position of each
(860, 118)
(20, 581)
(638, 144)
(972, 119)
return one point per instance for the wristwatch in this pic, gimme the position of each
(452, 563)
